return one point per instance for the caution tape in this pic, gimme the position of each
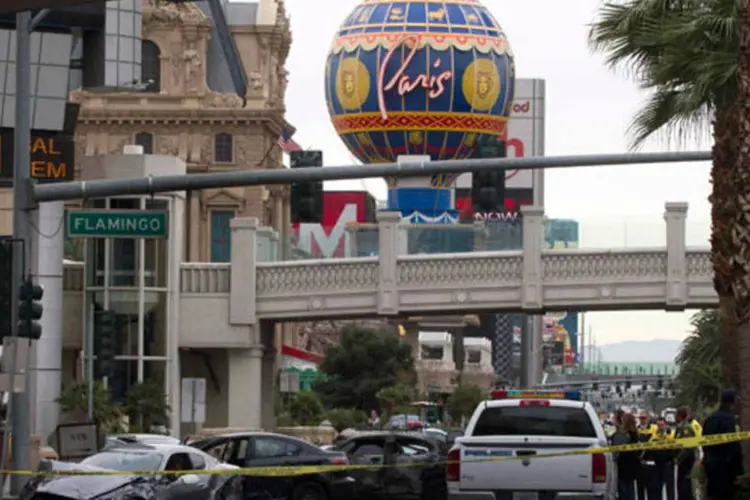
(303, 470)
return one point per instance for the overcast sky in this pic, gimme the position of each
(588, 110)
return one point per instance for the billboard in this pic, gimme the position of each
(333, 238)
(524, 138)
(561, 328)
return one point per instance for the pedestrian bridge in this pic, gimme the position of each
(225, 299)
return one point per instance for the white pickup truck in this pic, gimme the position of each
(526, 425)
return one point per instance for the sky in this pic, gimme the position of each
(588, 109)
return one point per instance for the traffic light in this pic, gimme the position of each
(6, 287)
(307, 196)
(488, 187)
(105, 323)
(30, 309)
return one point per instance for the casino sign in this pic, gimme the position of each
(419, 77)
(52, 156)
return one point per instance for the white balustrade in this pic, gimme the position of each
(257, 287)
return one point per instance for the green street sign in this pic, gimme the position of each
(117, 224)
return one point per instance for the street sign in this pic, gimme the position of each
(117, 224)
(289, 381)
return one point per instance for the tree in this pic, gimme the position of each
(364, 362)
(396, 399)
(106, 413)
(699, 379)
(305, 408)
(464, 401)
(345, 418)
(685, 53)
(146, 406)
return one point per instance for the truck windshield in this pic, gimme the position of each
(534, 421)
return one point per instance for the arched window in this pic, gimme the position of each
(146, 141)
(150, 66)
(223, 148)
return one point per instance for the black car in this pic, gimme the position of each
(136, 458)
(413, 463)
(261, 449)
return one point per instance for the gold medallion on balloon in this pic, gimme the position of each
(352, 83)
(481, 84)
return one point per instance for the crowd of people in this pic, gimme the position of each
(667, 473)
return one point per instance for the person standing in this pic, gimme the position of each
(628, 462)
(645, 431)
(686, 456)
(694, 423)
(659, 465)
(722, 462)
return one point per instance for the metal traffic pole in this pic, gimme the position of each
(19, 418)
(151, 185)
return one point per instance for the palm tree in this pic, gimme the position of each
(685, 54)
(699, 377)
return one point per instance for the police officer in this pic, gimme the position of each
(686, 456)
(645, 431)
(659, 464)
(723, 462)
(696, 426)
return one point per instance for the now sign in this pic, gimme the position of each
(117, 224)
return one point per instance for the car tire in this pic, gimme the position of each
(434, 489)
(309, 491)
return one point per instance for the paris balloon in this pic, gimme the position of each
(419, 77)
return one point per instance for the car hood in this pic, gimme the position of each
(81, 487)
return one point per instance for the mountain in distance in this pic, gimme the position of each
(649, 351)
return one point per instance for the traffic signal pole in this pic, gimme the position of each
(162, 184)
(18, 421)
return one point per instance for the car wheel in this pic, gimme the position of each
(309, 491)
(434, 489)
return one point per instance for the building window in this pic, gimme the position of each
(221, 235)
(432, 352)
(146, 141)
(150, 66)
(473, 356)
(223, 148)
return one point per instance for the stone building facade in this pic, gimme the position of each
(185, 105)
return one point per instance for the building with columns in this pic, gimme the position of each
(152, 73)
(180, 101)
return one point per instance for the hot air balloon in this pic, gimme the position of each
(419, 77)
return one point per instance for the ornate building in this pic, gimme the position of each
(185, 106)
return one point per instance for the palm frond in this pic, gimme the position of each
(683, 52)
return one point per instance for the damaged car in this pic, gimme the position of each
(405, 465)
(157, 474)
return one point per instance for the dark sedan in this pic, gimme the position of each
(129, 462)
(261, 449)
(413, 465)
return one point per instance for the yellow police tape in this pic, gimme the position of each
(301, 470)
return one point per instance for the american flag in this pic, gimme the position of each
(286, 143)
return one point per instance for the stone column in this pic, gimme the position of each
(269, 389)
(245, 394)
(532, 298)
(244, 256)
(388, 227)
(675, 215)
